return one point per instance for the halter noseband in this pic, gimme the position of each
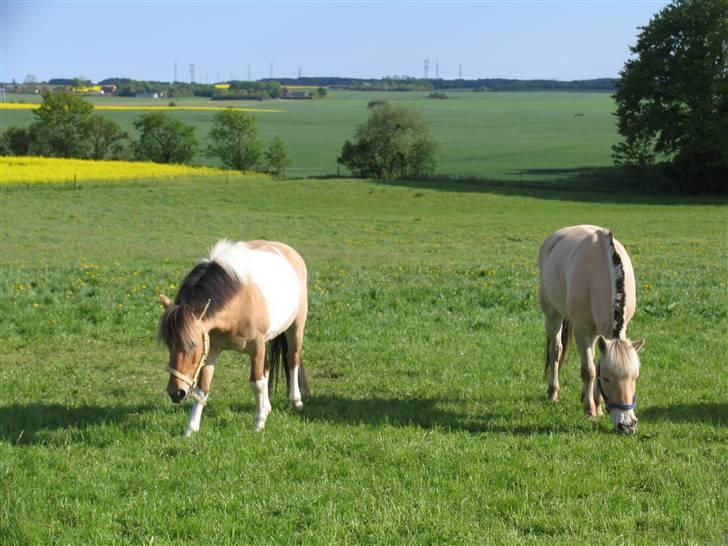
(614, 405)
(192, 381)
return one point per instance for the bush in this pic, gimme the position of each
(164, 139)
(234, 139)
(16, 141)
(276, 157)
(394, 142)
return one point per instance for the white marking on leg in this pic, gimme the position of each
(266, 401)
(193, 425)
(259, 390)
(295, 393)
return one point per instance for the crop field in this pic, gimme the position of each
(524, 137)
(428, 422)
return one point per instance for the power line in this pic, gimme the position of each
(427, 68)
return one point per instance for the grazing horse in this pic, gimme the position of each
(242, 296)
(588, 286)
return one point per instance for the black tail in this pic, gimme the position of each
(277, 359)
(565, 334)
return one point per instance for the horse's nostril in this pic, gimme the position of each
(178, 396)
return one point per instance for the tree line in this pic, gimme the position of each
(66, 127)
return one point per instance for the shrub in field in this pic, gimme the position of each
(164, 139)
(394, 142)
(276, 158)
(16, 141)
(234, 139)
(672, 97)
(106, 140)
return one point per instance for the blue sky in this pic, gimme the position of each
(143, 39)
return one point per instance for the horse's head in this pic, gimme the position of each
(188, 344)
(617, 372)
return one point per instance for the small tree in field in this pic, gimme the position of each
(61, 126)
(105, 138)
(394, 142)
(276, 158)
(164, 139)
(234, 139)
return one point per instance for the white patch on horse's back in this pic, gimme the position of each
(232, 257)
(279, 284)
(272, 274)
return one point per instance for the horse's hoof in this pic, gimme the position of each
(554, 394)
(296, 405)
(188, 432)
(259, 425)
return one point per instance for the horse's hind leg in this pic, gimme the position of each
(294, 359)
(554, 349)
(259, 383)
(203, 390)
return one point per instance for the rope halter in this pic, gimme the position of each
(192, 381)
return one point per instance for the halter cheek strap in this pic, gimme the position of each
(614, 405)
(192, 381)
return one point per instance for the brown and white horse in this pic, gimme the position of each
(242, 296)
(588, 286)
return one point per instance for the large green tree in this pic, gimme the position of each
(164, 139)
(234, 139)
(672, 98)
(395, 142)
(61, 126)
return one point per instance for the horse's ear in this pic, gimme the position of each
(165, 300)
(637, 345)
(602, 344)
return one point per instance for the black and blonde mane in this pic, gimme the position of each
(207, 281)
(618, 302)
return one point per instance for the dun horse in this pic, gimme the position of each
(242, 296)
(588, 286)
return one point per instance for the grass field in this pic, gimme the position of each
(536, 136)
(428, 422)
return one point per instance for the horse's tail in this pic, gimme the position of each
(565, 334)
(277, 353)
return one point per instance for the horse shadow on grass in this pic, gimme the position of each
(425, 413)
(31, 423)
(712, 413)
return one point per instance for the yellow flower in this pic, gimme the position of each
(35, 170)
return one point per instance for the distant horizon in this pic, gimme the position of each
(402, 77)
(560, 40)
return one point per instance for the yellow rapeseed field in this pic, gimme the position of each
(141, 107)
(40, 170)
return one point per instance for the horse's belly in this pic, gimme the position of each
(279, 284)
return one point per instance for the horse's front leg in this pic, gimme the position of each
(585, 344)
(203, 391)
(259, 383)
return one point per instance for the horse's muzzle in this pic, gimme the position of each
(177, 395)
(627, 428)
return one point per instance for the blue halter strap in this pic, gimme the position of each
(614, 405)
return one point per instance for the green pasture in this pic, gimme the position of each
(531, 136)
(428, 422)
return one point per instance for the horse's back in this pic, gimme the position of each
(280, 274)
(575, 275)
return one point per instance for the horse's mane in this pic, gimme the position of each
(215, 280)
(618, 294)
(621, 357)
